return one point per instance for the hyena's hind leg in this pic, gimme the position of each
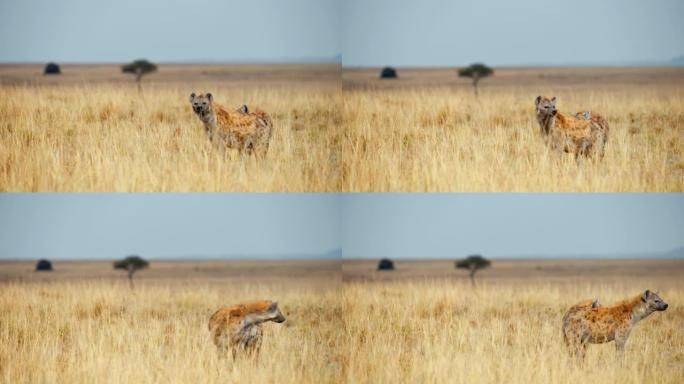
(577, 349)
(261, 150)
(600, 139)
(575, 343)
(583, 151)
(247, 148)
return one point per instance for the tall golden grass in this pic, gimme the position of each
(103, 332)
(104, 137)
(446, 139)
(451, 332)
(408, 331)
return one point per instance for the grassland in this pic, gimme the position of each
(426, 131)
(90, 130)
(424, 322)
(430, 325)
(85, 325)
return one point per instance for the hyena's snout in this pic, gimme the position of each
(197, 108)
(280, 318)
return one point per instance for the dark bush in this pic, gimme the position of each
(385, 265)
(52, 69)
(388, 73)
(43, 265)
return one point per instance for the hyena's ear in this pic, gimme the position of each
(192, 97)
(210, 97)
(553, 101)
(537, 100)
(244, 109)
(273, 307)
(645, 295)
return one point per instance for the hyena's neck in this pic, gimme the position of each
(253, 319)
(546, 123)
(640, 309)
(209, 120)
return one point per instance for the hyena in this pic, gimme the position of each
(581, 134)
(587, 323)
(239, 328)
(248, 131)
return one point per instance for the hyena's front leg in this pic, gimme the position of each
(621, 337)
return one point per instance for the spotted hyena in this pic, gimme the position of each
(239, 328)
(581, 134)
(247, 130)
(587, 323)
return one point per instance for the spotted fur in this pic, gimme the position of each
(239, 328)
(245, 129)
(582, 134)
(588, 323)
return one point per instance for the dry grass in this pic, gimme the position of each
(87, 332)
(89, 130)
(98, 134)
(422, 326)
(413, 134)
(446, 331)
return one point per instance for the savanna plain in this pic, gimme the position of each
(89, 129)
(426, 322)
(423, 322)
(82, 323)
(428, 131)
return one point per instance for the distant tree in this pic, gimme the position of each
(43, 265)
(388, 73)
(473, 263)
(131, 264)
(52, 69)
(139, 68)
(475, 72)
(385, 265)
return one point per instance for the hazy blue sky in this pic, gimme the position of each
(366, 32)
(499, 225)
(503, 32)
(365, 225)
(165, 225)
(168, 30)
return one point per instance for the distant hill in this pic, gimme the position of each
(678, 61)
(677, 252)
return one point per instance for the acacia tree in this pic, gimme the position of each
(131, 264)
(139, 68)
(476, 72)
(473, 263)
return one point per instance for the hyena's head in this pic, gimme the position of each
(266, 310)
(545, 106)
(653, 301)
(201, 103)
